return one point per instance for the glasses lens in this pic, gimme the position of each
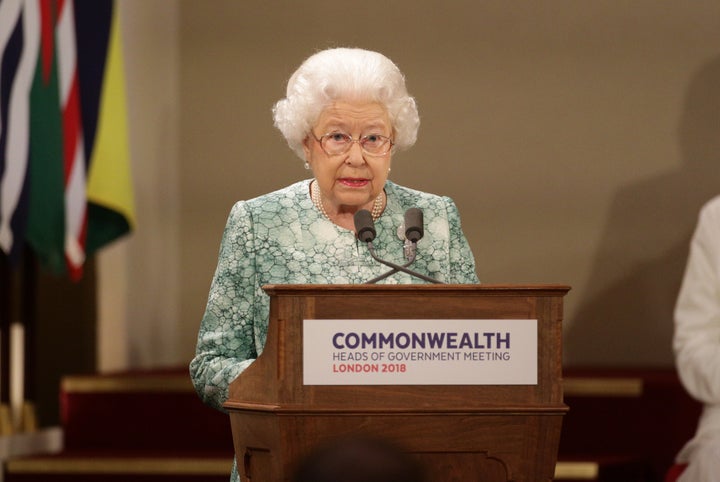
(375, 144)
(336, 143)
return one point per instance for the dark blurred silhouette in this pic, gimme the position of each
(359, 459)
(641, 256)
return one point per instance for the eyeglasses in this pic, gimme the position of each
(336, 143)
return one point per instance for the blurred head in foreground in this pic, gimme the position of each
(359, 459)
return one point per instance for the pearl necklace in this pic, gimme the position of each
(316, 197)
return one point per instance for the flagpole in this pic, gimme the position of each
(6, 296)
(29, 322)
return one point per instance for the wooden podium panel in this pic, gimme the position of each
(460, 432)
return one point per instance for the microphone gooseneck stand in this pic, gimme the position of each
(365, 228)
(396, 268)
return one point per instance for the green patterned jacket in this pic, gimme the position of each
(281, 238)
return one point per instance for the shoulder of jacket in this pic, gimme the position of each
(279, 197)
(408, 195)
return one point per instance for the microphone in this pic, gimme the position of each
(365, 229)
(364, 226)
(414, 225)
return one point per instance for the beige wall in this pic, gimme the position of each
(578, 139)
(139, 283)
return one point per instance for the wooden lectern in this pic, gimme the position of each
(459, 432)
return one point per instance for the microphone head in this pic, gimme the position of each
(414, 230)
(364, 226)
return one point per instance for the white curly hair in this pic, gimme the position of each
(345, 74)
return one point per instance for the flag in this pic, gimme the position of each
(73, 192)
(19, 43)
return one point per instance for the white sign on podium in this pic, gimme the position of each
(420, 352)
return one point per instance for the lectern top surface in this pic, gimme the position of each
(534, 289)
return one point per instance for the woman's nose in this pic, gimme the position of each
(355, 155)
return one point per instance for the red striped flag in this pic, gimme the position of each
(73, 153)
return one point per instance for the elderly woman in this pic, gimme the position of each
(346, 112)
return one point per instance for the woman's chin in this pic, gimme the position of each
(354, 201)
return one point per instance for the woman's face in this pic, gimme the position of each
(352, 180)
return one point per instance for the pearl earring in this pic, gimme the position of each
(307, 165)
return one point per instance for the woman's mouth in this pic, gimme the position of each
(353, 181)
